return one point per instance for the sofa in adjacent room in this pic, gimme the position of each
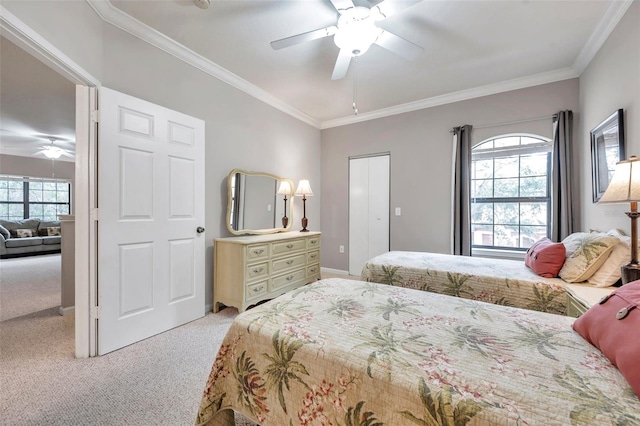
(29, 236)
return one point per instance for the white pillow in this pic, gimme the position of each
(609, 272)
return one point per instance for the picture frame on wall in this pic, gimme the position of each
(607, 148)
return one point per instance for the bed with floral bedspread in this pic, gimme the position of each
(498, 281)
(341, 352)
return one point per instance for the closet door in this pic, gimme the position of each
(368, 210)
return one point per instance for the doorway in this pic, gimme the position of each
(368, 209)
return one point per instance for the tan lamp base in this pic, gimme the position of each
(630, 272)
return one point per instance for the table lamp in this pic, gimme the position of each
(625, 188)
(284, 189)
(304, 189)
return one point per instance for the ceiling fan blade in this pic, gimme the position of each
(68, 154)
(342, 65)
(301, 38)
(388, 8)
(341, 5)
(399, 46)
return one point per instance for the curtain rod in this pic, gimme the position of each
(506, 123)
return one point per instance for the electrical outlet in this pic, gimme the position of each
(341, 249)
(398, 211)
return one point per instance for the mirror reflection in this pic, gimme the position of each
(257, 203)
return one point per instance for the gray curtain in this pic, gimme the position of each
(461, 203)
(561, 199)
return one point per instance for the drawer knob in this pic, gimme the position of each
(313, 256)
(289, 246)
(258, 252)
(313, 270)
(257, 289)
(258, 270)
(290, 277)
(289, 262)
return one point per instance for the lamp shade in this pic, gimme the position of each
(625, 184)
(284, 189)
(304, 188)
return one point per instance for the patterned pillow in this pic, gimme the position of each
(586, 252)
(25, 233)
(53, 231)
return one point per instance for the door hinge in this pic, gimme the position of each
(95, 214)
(95, 116)
(95, 312)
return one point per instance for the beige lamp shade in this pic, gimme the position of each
(284, 189)
(625, 184)
(304, 188)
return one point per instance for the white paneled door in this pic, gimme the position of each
(368, 210)
(151, 206)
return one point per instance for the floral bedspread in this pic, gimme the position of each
(341, 352)
(499, 281)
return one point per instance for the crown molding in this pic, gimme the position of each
(129, 24)
(462, 95)
(15, 30)
(610, 19)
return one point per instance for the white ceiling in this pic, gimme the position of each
(471, 48)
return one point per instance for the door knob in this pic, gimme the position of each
(199, 229)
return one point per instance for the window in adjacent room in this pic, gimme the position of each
(34, 198)
(510, 192)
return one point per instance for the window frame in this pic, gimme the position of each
(27, 203)
(543, 146)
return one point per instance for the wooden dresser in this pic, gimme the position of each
(249, 269)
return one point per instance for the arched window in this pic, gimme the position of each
(510, 192)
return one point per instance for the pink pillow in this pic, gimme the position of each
(613, 326)
(546, 258)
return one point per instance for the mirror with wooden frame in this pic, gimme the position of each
(258, 203)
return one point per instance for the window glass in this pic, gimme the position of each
(33, 199)
(510, 192)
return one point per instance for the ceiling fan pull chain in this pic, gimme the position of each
(355, 84)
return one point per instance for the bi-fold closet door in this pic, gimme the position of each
(368, 209)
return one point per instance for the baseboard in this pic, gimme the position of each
(334, 271)
(66, 311)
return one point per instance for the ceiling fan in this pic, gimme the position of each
(54, 152)
(356, 31)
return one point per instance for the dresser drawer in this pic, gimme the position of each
(285, 247)
(257, 271)
(288, 279)
(313, 257)
(313, 271)
(256, 290)
(287, 263)
(313, 242)
(257, 252)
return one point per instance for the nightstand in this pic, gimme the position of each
(580, 297)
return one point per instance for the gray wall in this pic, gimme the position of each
(420, 147)
(241, 131)
(610, 82)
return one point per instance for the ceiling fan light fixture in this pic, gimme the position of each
(53, 152)
(357, 31)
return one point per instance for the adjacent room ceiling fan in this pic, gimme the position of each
(54, 152)
(356, 31)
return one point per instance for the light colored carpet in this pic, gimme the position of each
(28, 285)
(158, 381)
